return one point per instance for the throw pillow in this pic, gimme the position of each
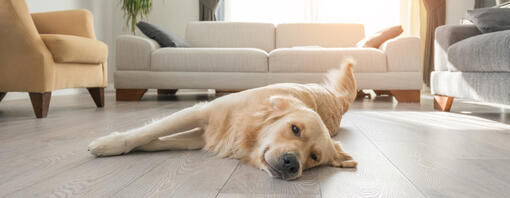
(490, 19)
(163, 36)
(380, 37)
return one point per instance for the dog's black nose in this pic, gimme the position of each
(290, 164)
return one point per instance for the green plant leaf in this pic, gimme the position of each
(135, 10)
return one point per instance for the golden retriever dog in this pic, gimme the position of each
(282, 129)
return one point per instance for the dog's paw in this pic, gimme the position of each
(349, 164)
(113, 144)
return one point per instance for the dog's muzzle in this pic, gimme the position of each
(288, 166)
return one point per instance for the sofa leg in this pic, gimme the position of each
(361, 95)
(227, 91)
(406, 95)
(40, 103)
(129, 94)
(97, 94)
(2, 95)
(443, 103)
(167, 91)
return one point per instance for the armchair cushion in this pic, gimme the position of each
(75, 49)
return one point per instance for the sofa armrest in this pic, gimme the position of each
(134, 53)
(70, 22)
(403, 54)
(447, 35)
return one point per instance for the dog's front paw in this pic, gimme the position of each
(113, 144)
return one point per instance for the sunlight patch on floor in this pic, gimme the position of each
(443, 120)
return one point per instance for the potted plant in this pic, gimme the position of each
(135, 10)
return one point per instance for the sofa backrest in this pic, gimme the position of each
(231, 34)
(318, 34)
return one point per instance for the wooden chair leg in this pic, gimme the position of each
(443, 103)
(406, 95)
(129, 94)
(40, 103)
(167, 91)
(97, 94)
(2, 94)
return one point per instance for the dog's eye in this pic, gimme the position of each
(296, 130)
(314, 157)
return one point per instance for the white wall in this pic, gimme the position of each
(52, 5)
(456, 9)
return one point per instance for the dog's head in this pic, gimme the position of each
(296, 139)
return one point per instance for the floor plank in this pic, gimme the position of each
(375, 176)
(193, 174)
(100, 177)
(446, 154)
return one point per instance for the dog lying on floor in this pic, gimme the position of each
(282, 129)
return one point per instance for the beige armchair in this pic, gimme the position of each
(43, 52)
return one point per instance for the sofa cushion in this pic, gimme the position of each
(324, 59)
(209, 60)
(75, 49)
(321, 34)
(483, 53)
(231, 35)
(163, 36)
(490, 19)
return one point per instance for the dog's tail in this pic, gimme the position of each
(342, 81)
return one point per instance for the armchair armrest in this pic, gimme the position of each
(75, 49)
(134, 52)
(70, 22)
(403, 54)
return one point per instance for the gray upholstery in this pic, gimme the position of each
(490, 19)
(484, 53)
(446, 36)
(490, 87)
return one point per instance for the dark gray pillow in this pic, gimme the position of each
(490, 19)
(163, 36)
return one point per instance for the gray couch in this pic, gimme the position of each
(470, 65)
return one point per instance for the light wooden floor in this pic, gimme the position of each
(403, 150)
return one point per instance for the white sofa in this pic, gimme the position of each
(237, 56)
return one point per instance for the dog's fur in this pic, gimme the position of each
(254, 126)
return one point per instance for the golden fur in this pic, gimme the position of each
(255, 125)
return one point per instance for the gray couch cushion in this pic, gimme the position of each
(490, 19)
(163, 36)
(484, 53)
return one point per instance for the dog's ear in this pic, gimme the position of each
(342, 159)
(280, 103)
